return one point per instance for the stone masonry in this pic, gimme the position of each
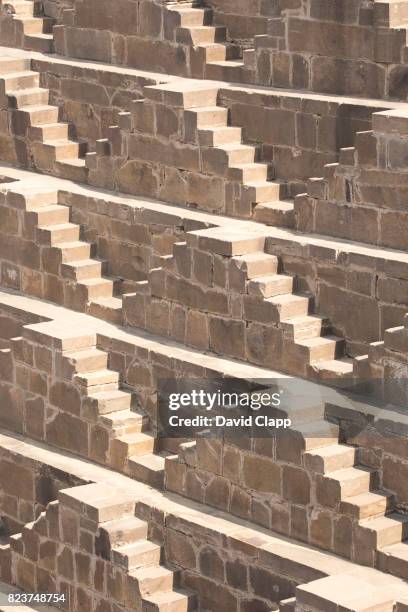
(203, 192)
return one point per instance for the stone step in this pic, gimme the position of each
(237, 154)
(192, 16)
(214, 52)
(98, 502)
(50, 215)
(289, 306)
(147, 468)
(123, 531)
(43, 43)
(318, 434)
(320, 348)
(366, 505)
(41, 114)
(246, 173)
(110, 401)
(225, 70)
(232, 244)
(263, 191)
(97, 378)
(343, 592)
(330, 458)
(386, 530)
(13, 64)
(89, 360)
(83, 269)
(73, 251)
(51, 131)
(33, 200)
(171, 601)
(22, 7)
(306, 414)
(55, 234)
(278, 214)
(154, 579)
(271, 285)
(351, 481)
(32, 25)
(136, 555)
(207, 116)
(73, 169)
(256, 264)
(184, 94)
(134, 444)
(123, 422)
(303, 327)
(59, 150)
(96, 288)
(107, 309)
(199, 35)
(334, 369)
(219, 135)
(394, 560)
(24, 79)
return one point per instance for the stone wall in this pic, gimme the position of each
(55, 8)
(283, 483)
(297, 133)
(161, 141)
(89, 98)
(27, 486)
(346, 280)
(244, 19)
(131, 33)
(348, 48)
(363, 197)
(131, 238)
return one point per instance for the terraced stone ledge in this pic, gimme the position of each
(192, 537)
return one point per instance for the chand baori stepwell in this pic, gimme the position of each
(208, 190)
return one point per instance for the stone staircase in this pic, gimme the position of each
(32, 30)
(116, 541)
(360, 198)
(342, 489)
(34, 119)
(234, 292)
(266, 198)
(217, 58)
(355, 492)
(68, 271)
(132, 445)
(91, 412)
(234, 180)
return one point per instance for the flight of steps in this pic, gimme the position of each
(33, 118)
(36, 29)
(65, 255)
(381, 532)
(132, 447)
(221, 60)
(121, 437)
(118, 539)
(324, 352)
(267, 197)
(266, 296)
